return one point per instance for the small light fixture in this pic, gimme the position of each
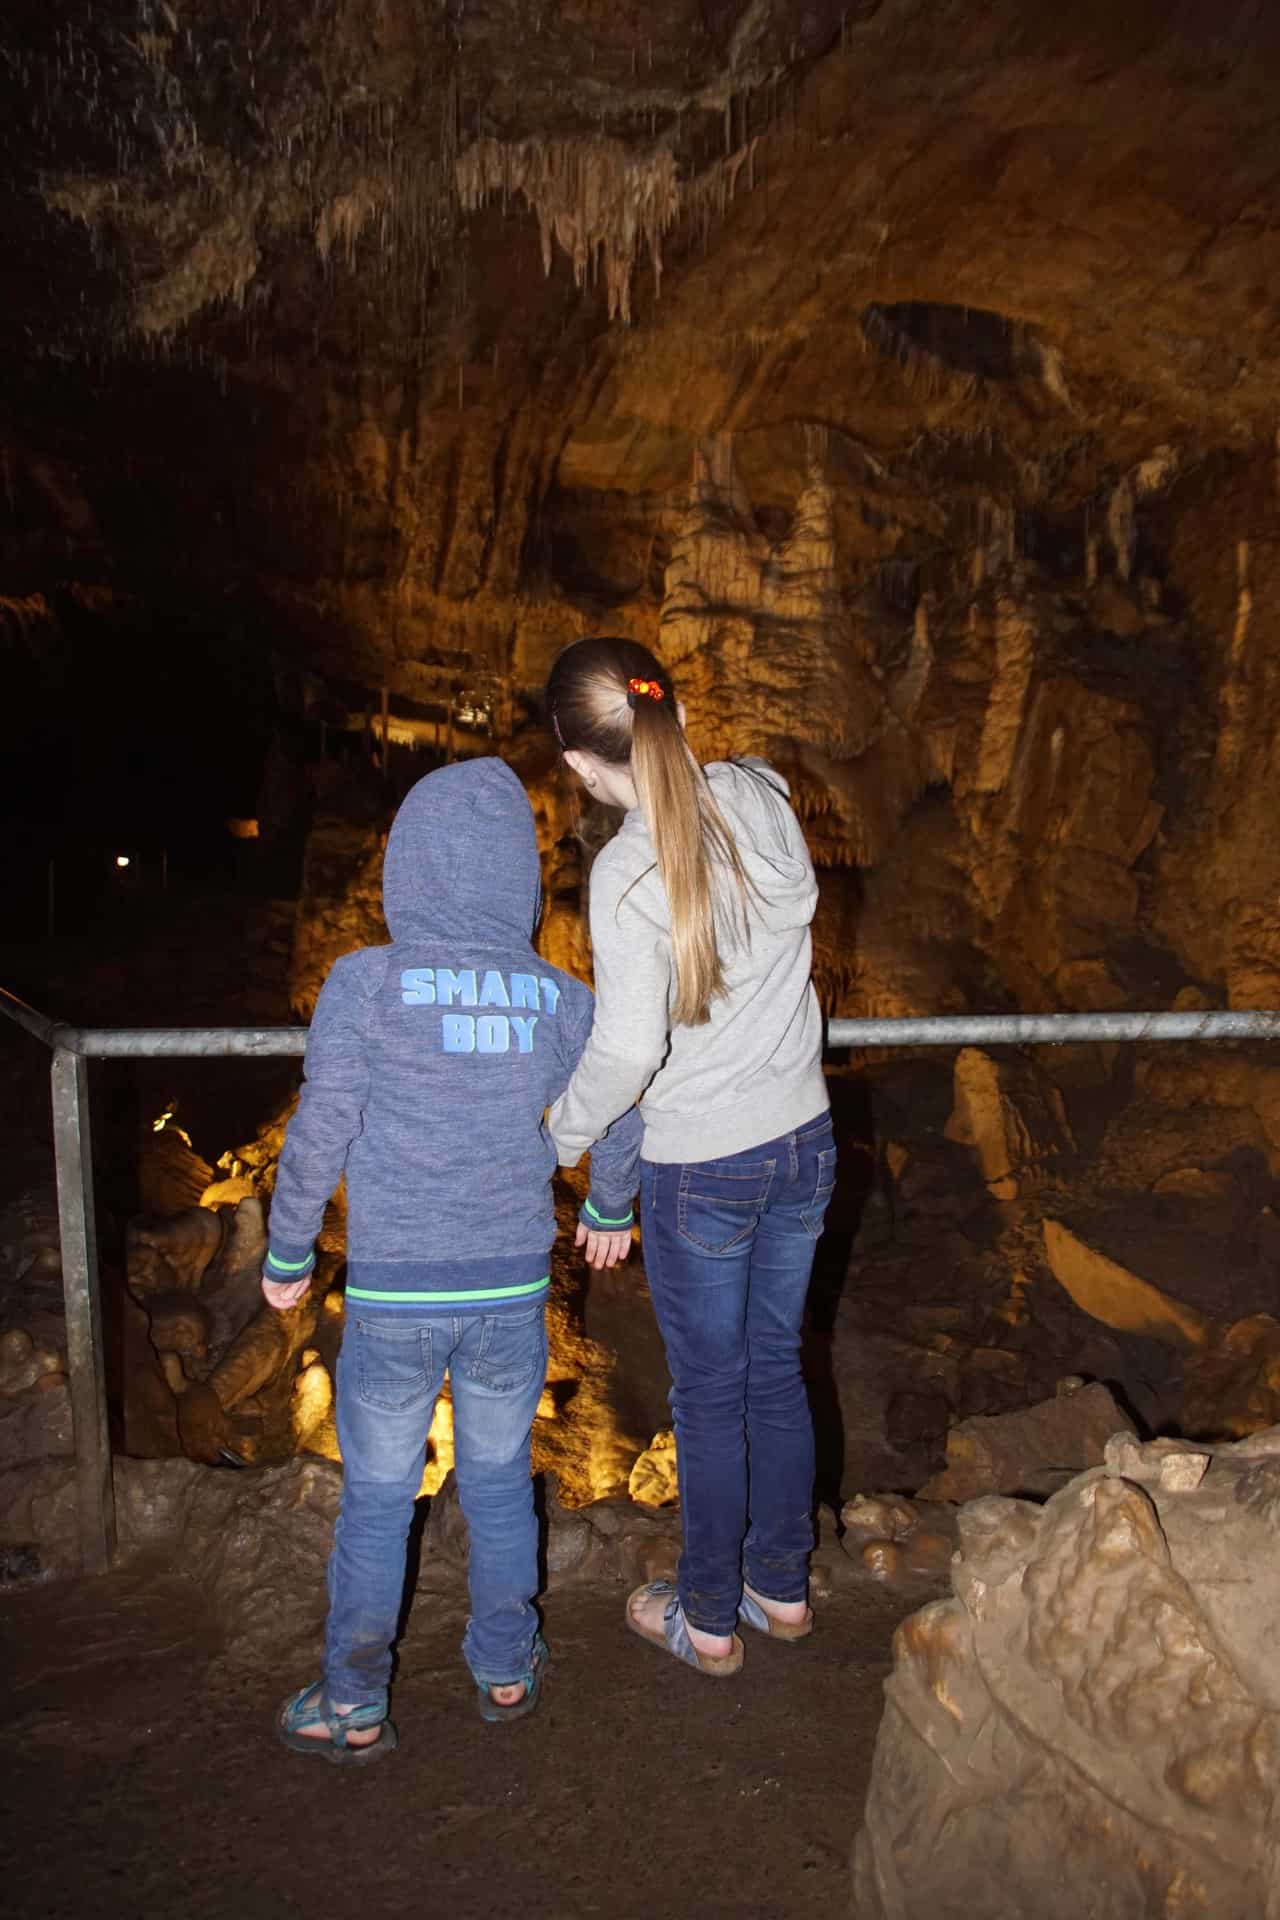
(122, 860)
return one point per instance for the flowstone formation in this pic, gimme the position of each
(1092, 1722)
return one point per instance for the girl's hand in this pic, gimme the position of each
(282, 1294)
(603, 1249)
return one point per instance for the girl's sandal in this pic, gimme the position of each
(490, 1709)
(312, 1708)
(673, 1635)
(753, 1612)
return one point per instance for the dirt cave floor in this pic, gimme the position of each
(143, 1776)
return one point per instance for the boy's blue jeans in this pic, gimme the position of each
(728, 1250)
(390, 1371)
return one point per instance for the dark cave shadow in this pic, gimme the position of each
(115, 1123)
(854, 1127)
(413, 1566)
(544, 1527)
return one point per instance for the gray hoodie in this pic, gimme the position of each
(754, 1070)
(429, 1066)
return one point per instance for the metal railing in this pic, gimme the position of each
(73, 1047)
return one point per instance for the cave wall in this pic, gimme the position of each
(904, 373)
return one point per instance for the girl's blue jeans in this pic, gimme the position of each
(728, 1251)
(390, 1372)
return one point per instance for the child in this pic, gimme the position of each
(429, 1066)
(705, 1012)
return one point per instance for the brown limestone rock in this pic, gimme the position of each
(1032, 1451)
(1097, 1707)
(1013, 1117)
(1114, 1295)
(1232, 1385)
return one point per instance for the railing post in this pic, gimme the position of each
(73, 1157)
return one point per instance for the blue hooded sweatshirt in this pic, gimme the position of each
(430, 1064)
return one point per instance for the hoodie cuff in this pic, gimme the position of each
(597, 1220)
(285, 1264)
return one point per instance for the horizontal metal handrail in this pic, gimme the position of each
(931, 1030)
(72, 1047)
(157, 1043)
(1050, 1029)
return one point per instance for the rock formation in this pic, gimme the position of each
(208, 1364)
(1091, 1721)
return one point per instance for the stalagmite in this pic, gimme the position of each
(1122, 527)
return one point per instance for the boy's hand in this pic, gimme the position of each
(282, 1294)
(603, 1249)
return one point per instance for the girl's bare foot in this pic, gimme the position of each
(508, 1696)
(789, 1613)
(650, 1610)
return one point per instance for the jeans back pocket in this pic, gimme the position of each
(510, 1350)
(393, 1366)
(719, 1207)
(824, 1186)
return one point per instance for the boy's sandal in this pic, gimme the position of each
(491, 1710)
(673, 1635)
(312, 1708)
(752, 1612)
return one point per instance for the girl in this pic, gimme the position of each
(705, 1013)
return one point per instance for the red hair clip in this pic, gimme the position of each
(649, 689)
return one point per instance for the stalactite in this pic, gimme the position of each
(598, 201)
(28, 617)
(343, 219)
(1234, 701)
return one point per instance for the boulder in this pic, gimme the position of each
(1032, 1451)
(1091, 1723)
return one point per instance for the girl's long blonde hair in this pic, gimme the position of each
(591, 710)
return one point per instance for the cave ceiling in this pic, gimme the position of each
(401, 324)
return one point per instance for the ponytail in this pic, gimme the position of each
(590, 709)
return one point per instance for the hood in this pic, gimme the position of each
(462, 857)
(753, 798)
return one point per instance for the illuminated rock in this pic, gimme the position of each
(654, 1480)
(1111, 1293)
(1012, 1116)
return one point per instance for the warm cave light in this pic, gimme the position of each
(122, 859)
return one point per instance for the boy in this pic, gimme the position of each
(429, 1066)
